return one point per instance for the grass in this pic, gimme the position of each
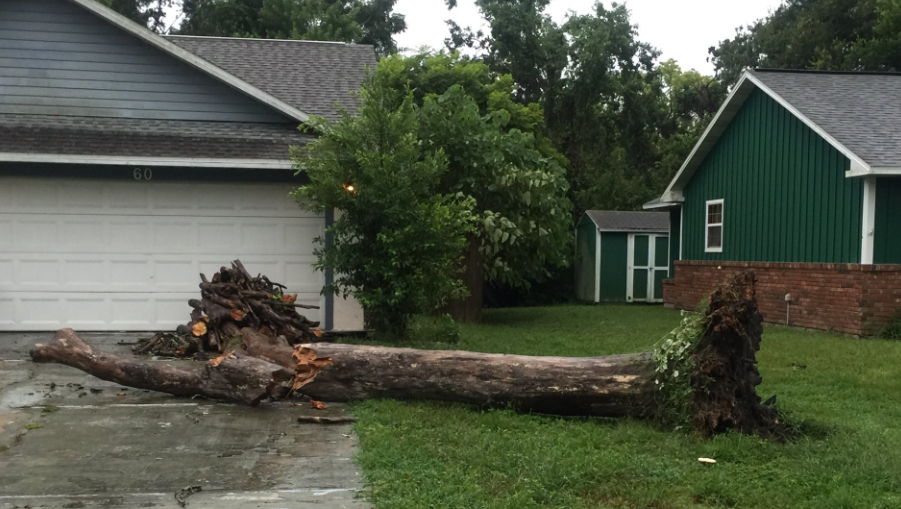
(845, 394)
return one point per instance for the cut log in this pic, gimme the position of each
(612, 386)
(234, 376)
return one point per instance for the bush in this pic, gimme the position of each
(891, 331)
(434, 329)
(397, 244)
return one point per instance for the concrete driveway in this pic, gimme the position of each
(68, 440)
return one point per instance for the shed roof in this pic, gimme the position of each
(616, 220)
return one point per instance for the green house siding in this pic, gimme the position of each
(786, 195)
(586, 259)
(887, 240)
(614, 265)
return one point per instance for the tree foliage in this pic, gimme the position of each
(498, 156)
(148, 13)
(398, 241)
(357, 21)
(854, 35)
(607, 105)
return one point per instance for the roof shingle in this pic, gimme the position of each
(66, 135)
(312, 76)
(629, 221)
(860, 110)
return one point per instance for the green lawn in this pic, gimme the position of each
(844, 393)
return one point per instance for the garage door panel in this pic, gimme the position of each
(126, 197)
(130, 274)
(49, 272)
(160, 235)
(7, 312)
(6, 271)
(38, 273)
(107, 311)
(88, 272)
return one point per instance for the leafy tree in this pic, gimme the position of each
(601, 94)
(693, 100)
(148, 13)
(624, 122)
(498, 156)
(397, 243)
(809, 34)
(357, 21)
(881, 51)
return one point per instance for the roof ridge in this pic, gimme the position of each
(822, 71)
(263, 39)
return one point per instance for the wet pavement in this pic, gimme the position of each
(68, 440)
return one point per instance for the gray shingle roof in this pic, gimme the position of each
(309, 75)
(630, 221)
(51, 134)
(860, 110)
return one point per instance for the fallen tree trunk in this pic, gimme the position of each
(718, 363)
(233, 377)
(611, 386)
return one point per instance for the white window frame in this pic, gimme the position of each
(708, 224)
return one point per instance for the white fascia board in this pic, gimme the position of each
(636, 232)
(659, 205)
(191, 59)
(876, 171)
(189, 162)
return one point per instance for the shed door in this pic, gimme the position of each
(648, 267)
(125, 255)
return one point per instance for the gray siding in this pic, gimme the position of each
(58, 59)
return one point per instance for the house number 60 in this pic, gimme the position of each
(145, 174)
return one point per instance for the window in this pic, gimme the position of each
(714, 236)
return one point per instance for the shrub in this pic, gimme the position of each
(434, 329)
(891, 331)
(397, 244)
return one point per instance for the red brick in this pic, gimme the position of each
(849, 298)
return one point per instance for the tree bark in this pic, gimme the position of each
(604, 386)
(233, 377)
(469, 308)
(611, 386)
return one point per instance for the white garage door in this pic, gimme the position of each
(125, 255)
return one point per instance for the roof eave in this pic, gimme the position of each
(191, 59)
(873, 171)
(188, 162)
(659, 204)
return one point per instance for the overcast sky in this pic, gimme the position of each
(681, 29)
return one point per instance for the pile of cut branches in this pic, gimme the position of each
(231, 303)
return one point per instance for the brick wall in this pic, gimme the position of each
(850, 298)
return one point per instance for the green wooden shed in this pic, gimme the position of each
(621, 256)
